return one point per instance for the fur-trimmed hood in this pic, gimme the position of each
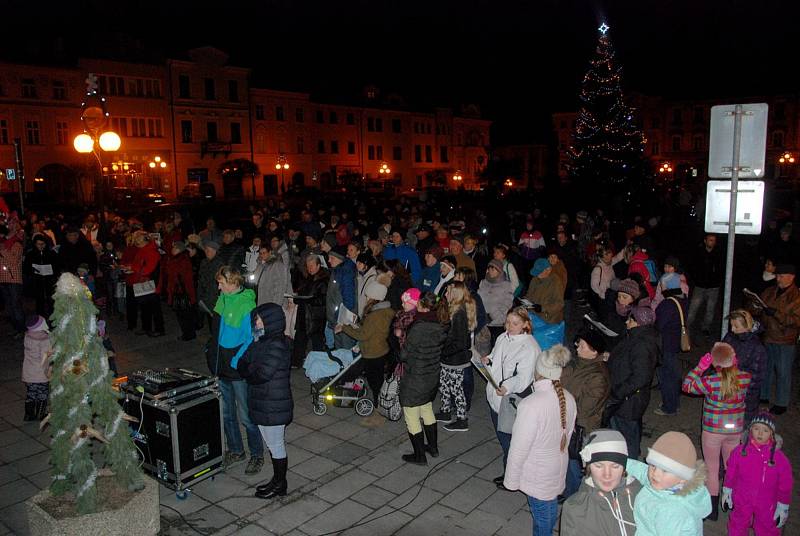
(699, 479)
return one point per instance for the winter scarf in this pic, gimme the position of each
(235, 307)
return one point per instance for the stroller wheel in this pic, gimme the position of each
(320, 408)
(364, 407)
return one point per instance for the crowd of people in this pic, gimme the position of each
(420, 293)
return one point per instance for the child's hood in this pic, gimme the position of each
(37, 335)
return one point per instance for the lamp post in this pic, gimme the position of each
(157, 164)
(94, 116)
(384, 170)
(282, 164)
(784, 160)
(458, 178)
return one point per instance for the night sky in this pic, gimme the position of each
(519, 60)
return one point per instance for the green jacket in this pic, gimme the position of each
(548, 293)
(373, 335)
(660, 512)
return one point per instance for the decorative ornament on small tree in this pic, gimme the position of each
(606, 153)
(83, 404)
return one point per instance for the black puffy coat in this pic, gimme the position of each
(312, 310)
(266, 368)
(420, 357)
(631, 365)
(752, 358)
(457, 351)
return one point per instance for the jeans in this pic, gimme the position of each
(274, 437)
(669, 383)
(234, 402)
(632, 431)
(12, 301)
(469, 386)
(709, 296)
(574, 476)
(779, 363)
(502, 437)
(544, 514)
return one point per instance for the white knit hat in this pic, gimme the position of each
(552, 361)
(375, 291)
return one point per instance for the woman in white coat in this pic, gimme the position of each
(511, 364)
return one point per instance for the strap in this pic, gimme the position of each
(680, 310)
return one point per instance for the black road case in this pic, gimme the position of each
(181, 437)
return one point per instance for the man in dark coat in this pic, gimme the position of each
(310, 299)
(76, 250)
(706, 273)
(207, 286)
(42, 269)
(266, 368)
(631, 365)
(231, 253)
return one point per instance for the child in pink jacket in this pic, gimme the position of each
(35, 368)
(758, 485)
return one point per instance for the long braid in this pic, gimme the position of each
(562, 406)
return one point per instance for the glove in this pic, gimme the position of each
(770, 311)
(735, 362)
(781, 514)
(705, 362)
(726, 501)
(537, 307)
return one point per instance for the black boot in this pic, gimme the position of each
(279, 484)
(418, 456)
(714, 508)
(41, 410)
(30, 410)
(263, 488)
(432, 442)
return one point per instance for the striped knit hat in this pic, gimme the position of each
(605, 446)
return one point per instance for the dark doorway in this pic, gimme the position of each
(270, 185)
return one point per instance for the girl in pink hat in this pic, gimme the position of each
(35, 368)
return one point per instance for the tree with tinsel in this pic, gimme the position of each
(87, 422)
(606, 154)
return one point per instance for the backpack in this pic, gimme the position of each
(652, 269)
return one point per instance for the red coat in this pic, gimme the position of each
(637, 266)
(169, 238)
(179, 268)
(145, 262)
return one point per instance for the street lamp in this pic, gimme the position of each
(155, 164)
(508, 183)
(785, 159)
(666, 167)
(457, 178)
(94, 116)
(282, 164)
(384, 169)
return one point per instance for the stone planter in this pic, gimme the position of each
(140, 516)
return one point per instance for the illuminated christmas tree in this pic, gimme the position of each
(606, 154)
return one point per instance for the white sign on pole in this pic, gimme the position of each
(753, 144)
(749, 207)
(11, 174)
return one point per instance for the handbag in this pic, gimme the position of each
(686, 343)
(576, 442)
(389, 397)
(144, 289)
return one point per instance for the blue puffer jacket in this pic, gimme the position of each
(430, 277)
(408, 258)
(345, 276)
(266, 368)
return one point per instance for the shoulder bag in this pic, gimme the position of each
(686, 343)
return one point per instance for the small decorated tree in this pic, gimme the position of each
(83, 404)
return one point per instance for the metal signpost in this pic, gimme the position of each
(737, 149)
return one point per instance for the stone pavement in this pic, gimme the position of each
(343, 479)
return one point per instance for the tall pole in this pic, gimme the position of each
(737, 143)
(20, 174)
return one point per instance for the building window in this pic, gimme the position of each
(233, 91)
(59, 90)
(697, 143)
(236, 133)
(351, 147)
(320, 116)
(698, 116)
(379, 152)
(397, 153)
(396, 126)
(334, 147)
(260, 111)
(211, 131)
(4, 131)
(677, 118)
(351, 119)
(443, 156)
(655, 122)
(301, 146)
(777, 138)
(321, 146)
(418, 153)
(378, 124)
(184, 87)
(655, 148)
(279, 114)
(428, 153)
(32, 133)
(676, 143)
(29, 88)
(186, 131)
(299, 115)
(333, 118)
(370, 152)
(370, 124)
(210, 89)
(62, 133)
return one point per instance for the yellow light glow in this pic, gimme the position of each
(125, 167)
(83, 143)
(277, 166)
(286, 166)
(157, 159)
(109, 141)
(163, 164)
(329, 397)
(152, 164)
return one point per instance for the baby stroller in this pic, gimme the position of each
(325, 369)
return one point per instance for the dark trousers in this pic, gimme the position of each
(301, 340)
(187, 321)
(152, 317)
(502, 437)
(131, 307)
(632, 432)
(373, 368)
(469, 386)
(12, 302)
(669, 382)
